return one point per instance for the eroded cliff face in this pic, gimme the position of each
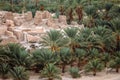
(23, 28)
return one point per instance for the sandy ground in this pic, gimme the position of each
(100, 76)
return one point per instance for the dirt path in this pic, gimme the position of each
(100, 76)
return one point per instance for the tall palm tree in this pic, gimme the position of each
(81, 55)
(115, 62)
(90, 10)
(65, 57)
(54, 40)
(105, 58)
(71, 34)
(105, 38)
(115, 26)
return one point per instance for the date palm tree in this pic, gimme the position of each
(105, 58)
(45, 56)
(115, 26)
(115, 62)
(105, 38)
(65, 57)
(90, 10)
(19, 73)
(4, 70)
(51, 72)
(94, 65)
(81, 55)
(17, 55)
(71, 34)
(54, 40)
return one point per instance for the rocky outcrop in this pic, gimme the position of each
(62, 19)
(28, 16)
(8, 16)
(3, 29)
(18, 20)
(38, 18)
(24, 28)
(9, 33)
(31, 38)
(9, 40)
(46, 15)
(18, 34)
(10, 23)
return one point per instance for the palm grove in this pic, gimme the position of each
(91, 49)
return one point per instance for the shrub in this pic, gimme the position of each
(74, 72)
(50, 72)
(19, 73)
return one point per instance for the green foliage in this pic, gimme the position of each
(115, 62)
(19, 73)
(94, 53)
(54, 39)
(94, 65)
(105, 58)
(80, 53)
(4, 69)
(71, 34)
(14, 55)
(115, 26)
(66, 57)
(44, 57)
(51, 72)
(108, 6)
(90, 10)
(74, 72)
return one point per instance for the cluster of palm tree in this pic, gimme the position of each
(89, 49)
(70, 8)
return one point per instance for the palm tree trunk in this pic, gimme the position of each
(36, 3)
(94, 73)
(117, 70)
(78, 63)
(105, 64)
(11, 2)
(117, 41)
(63, 68)
(50, 79)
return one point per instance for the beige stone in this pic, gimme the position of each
(36, 31)
(2, 20)
(9, 33)
(9, 16)
(31, 38)
(28, 16)
(38, 18)
(46, 15)
(9, 40)
(74, 23)
(3, 29)
(52, 24)
(18, 34)
(11, 29)
(10, 23)
(19, 20)
(62, 19)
